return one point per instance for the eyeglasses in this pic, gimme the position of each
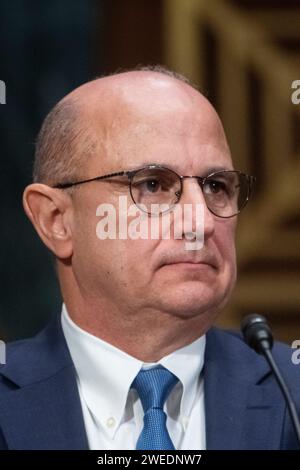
(155, 189)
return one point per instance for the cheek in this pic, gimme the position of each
(226, 246)
(134, 257)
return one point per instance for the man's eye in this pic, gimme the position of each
(215, 187)
(152, 185)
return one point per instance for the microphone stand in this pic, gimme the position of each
(258, 336)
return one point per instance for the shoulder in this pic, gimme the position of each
(35, 358)
(229, 347)
(233, 339)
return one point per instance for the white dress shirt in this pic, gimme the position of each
(113, 413)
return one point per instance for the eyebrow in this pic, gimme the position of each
(217, 168)
(173, 167)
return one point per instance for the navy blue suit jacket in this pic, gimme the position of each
(40, 405)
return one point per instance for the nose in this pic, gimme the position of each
(192, 195)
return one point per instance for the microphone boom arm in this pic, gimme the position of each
(258, 336)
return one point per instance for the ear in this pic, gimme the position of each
(50, 211)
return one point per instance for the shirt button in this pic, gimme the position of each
(110, 422)
(185, 421)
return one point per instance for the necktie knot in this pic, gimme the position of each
(153, 387)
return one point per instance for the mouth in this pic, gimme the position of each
(190, 264)
(193, 261)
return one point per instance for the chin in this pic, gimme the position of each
(193, 300)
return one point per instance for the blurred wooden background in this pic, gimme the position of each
(243, 55)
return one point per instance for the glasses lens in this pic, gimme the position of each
(226, 192)
(155, 190)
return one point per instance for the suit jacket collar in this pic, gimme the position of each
(43, 410)
(242, 410)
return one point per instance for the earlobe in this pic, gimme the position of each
(49, 211)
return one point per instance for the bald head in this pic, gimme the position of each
(116, 286)
(88, 120)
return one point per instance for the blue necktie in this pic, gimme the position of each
(153, 387)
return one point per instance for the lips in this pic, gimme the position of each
(186, 258)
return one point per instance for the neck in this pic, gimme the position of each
(146, 334)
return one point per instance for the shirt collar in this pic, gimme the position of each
(187, 363)
(105, 373)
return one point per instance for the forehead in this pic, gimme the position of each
(175, 128)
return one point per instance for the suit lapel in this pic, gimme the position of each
(240, 410)
(42, 410)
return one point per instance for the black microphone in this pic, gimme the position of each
(258, 336)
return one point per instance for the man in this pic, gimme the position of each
(133, 361)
